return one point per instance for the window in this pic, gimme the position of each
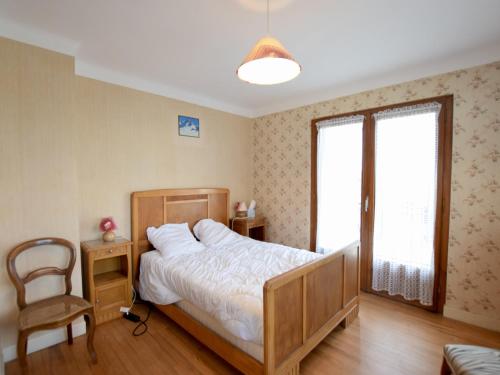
(340, 151)
(383, 176)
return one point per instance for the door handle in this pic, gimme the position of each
(367, 202)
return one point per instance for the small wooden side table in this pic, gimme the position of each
(251, 227)
(107, 276)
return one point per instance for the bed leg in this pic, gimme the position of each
(350, 317)
(293, 369)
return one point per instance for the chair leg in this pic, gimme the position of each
(90, 323)
(22, 346)
(445, 369)
(69, 330)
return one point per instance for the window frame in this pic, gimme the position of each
(443, 196)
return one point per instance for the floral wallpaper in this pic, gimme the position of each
(281, 171)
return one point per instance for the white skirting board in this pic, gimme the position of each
(39, 341)
(2, 366)
(474, 319)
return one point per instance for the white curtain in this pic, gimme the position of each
(406, 155)
(339, 164)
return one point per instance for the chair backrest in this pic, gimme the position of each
(20, 282)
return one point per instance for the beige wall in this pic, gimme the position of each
(73, 149)
(281, 169)
(128, 141)
(38, 176)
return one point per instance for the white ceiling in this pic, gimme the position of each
(190, 49)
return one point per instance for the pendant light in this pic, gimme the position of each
(268, 63)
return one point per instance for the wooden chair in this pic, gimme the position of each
(52, 312)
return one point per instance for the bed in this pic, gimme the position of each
(298, 312)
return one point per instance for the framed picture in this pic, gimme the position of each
(189, 126)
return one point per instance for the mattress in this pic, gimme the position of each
(225, 282)
(254, 350)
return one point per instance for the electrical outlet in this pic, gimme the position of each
(124, 309)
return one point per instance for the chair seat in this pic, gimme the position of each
(472, 360)
(53, 311)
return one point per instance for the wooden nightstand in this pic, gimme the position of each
(251, 227)
(107, 276)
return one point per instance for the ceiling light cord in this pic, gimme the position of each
(267, 26)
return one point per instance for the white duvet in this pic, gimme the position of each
(225, 280)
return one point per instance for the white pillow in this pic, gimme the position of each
(211, 233)
(173, 239)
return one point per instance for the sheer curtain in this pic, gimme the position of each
(406, 155)
(339, 166)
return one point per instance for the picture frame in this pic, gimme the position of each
(188, 126)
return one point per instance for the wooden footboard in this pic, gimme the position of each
(302, 306)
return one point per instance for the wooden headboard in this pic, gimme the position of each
(158, 207)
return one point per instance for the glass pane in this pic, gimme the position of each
(340, 150)
(406, 155)
(405, 189)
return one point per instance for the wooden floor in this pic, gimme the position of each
(387, 338)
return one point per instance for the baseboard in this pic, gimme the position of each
(474, 319)
(2, 366)
(44, 340)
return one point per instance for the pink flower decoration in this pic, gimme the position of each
(107, 224)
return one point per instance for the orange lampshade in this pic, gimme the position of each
(268, 63)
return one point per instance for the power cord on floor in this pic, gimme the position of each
(141, 328)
